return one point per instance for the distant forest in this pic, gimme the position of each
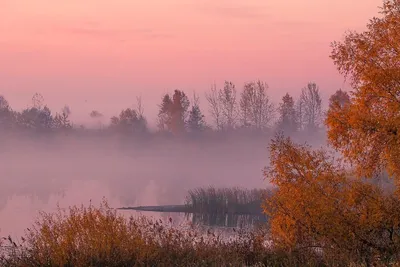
(248, 110)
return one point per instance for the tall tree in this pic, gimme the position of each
(223, 105)
(367, 130)
(7, 116)
(37, 101)
(256, 108)
(196, 121)
(316, 204)
(310, 107)
(229, 105)
(287, 115)
(164, 114)
(215, 107)
(173, 112)
(339, 99)
(61, 121)
(142, 123)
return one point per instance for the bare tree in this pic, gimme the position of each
(140, 113)
(311, 103)
(139, 106)
(300, 117)
(61, 121)
(214, 107)
(229, 104)
(223, 106)
(256, 108)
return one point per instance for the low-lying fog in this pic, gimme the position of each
(39, 173)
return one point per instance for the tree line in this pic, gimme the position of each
(229, 109)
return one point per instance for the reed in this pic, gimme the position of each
(236, 200)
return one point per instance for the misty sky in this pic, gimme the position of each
(100, 54)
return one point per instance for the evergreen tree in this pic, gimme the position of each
(196, 121)
(287, 115)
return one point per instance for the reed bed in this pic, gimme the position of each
(234, 200)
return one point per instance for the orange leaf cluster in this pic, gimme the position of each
(367, 129)
(318, 205)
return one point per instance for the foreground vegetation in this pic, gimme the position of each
(99, 236)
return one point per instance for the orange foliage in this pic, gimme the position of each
(367, 130)
(317, 205)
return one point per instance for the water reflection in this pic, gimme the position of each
(225, 220)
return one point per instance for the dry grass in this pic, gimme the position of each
(90, 236)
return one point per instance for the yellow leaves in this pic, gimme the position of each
(366, 130)
(316, 203)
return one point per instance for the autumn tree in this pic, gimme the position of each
(256, 108)
(367, 130)
(309, 108)
(287, 115)
(173, 112)
(317, 204)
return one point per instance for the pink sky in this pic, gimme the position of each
(107, 52)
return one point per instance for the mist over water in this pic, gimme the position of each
(39, 173)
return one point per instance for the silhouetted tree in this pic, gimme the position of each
(223, 106)
(340, 98)
(35, 119)
(128, 122)
(37, 101)
(196, 121)
(61, 121)
(4, 103)
(7, 116)
(287, 115)
(140, 113)
(164, 116)
(229, 105)
(310, 108)
(215, 108)
(174, 112)
(256, 108)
